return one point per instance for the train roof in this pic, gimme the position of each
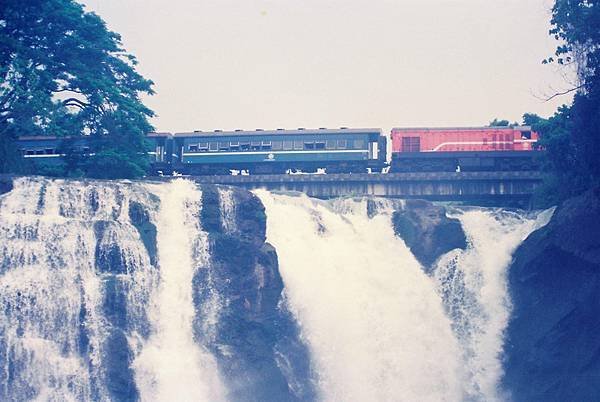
(518, 128)
(159, 134)
(279, 131)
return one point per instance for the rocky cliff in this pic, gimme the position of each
(256, 342)
(427, 231)
(553, 339)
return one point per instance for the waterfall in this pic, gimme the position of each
(473, 286)
(373, 321)
(86, 314)
(171, 366)
(377, 326)
(173, 291)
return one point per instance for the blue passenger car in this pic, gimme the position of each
(276, 151)
(46, 154)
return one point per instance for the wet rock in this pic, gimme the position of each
(427, 231)
(140, 219)
(108, 254)
(256, 342)
(6, 184)
(552, 341)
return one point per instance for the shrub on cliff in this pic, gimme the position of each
(571, 137)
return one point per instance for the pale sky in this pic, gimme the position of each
(225, 64)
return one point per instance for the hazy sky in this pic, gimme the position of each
(225, 64)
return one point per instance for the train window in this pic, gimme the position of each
(255, 145)
(526, 135)
(234, 145)
(287, 145)
(341, 144)
(320, 145)
(330, 144)
(298, 145)
(266, 145)
(508, 140)
(224, 146)
(411, 144)
(39, 152)
(309, 145)
(277, 145)
(203, 146)
(49, 151)
(493, 141)
(86, 149)
(213, 146)
(244, 146)
(30, 152)
(193, 148)
(359, 144)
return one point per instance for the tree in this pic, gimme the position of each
(64, 73)
(572, 137)
(499, 123)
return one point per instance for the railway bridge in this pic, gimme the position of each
(484, 188)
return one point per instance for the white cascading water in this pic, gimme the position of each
(376, 326)
(171, 366)
(49, 277)
(374, 322)
(372, 319)
(473, 284)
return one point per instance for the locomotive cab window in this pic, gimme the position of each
(359, 144)
(411, 144)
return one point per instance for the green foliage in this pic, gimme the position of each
(111, 164)
(499, 123)
(63, 73)
(571, 137)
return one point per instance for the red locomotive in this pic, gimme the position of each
(464, 149)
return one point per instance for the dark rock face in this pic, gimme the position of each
(6, 184)
(140, 219)
(553, 340)
(428, 231)
(255, 341)
(118, 375)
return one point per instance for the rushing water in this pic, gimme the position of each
(95, 306)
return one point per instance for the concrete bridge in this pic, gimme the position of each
(477, 188)
(486, 188)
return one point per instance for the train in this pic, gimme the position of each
(502, 148)
(323, 150)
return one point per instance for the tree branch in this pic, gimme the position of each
(75, 102)
(564, 92)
